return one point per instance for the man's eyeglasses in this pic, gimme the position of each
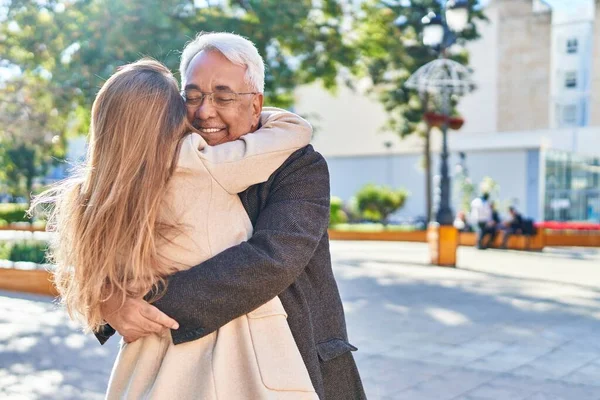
(219, 99)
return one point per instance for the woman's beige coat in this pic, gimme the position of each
(253, 357)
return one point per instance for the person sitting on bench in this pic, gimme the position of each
(513, 226)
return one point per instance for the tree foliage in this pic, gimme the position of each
(80, 43)
(30, 132)
(391, 50)
(376, 203)
(64, 50)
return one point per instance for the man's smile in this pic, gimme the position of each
(210, 130)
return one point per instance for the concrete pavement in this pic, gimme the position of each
(504, 325)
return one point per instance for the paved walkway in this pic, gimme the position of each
(504, 325)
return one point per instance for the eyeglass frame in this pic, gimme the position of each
(210, 95)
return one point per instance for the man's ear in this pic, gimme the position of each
(257, 106)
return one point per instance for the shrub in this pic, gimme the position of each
(337, 215)
(376, 203)
(352, 211)
(5, 250)
(39, 224)
(29, 250)
(10, 212)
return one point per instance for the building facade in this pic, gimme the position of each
(533, 124)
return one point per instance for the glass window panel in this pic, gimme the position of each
(569, 114)
(572, 45)
(571, 79)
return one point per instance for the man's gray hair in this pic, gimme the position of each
(235, 48)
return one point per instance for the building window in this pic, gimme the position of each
(572, 191)
(572, 45)
(571, 79)
(569, 115)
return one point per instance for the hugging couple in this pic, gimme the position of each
(197, 230)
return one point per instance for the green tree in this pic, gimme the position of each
(391, 50)
(489, 185)
(81, 43)
(30, 133)
(465, 191)
(65, 50)
(376, 203)
(3, 178)
(468, 191)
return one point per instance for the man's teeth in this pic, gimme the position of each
(210, 130)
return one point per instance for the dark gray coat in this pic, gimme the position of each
(288, 255)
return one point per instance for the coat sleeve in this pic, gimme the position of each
(242, 278)
(254, 157)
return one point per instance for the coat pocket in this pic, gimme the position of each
(332, 348)
(279, 361)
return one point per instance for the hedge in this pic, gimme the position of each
(26, 250)
(10, 212)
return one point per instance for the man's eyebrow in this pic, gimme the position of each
(223, 88)
(191, 86)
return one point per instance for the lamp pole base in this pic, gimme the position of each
(443, 243)
(444, 216)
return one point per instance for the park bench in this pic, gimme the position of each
(534, 242)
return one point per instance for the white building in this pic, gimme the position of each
(533, 125)
(572, 58)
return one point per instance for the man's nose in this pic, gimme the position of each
(206, 110)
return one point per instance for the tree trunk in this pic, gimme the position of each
(427, 156)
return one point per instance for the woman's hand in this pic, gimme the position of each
(136, 318)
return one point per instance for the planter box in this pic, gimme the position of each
(414, 236)
(37, 281)
(581, 239)
(26, 228)
(515, 242)
(467, 239)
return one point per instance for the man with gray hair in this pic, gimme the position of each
(288, 254)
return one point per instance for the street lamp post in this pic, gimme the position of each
(443, 77)
(440, 79)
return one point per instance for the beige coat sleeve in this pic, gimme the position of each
(255, 156)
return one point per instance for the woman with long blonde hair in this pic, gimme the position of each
(152, 199)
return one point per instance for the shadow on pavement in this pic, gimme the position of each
(46, 356)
